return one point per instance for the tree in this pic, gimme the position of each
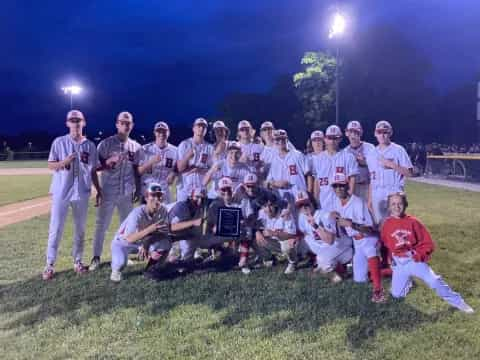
(315, 89)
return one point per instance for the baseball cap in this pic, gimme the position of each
(75, 114)
(339, 179)
(383, 125)
(200, 121)
(301, 198)
(280, 134)
(225, 182)
(125, 116)
(354, 125)
(244, 124)
(154, 188)
(161, 125)
(219, 124)
(234, 145)
(333, 130)
(317, 134)
(250, 179)
(267, 125)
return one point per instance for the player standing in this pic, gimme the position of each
(360, 150)
(195, 156)
(251, 151)
(158, 160)
(317, 139)
(74, 160)
(221, 133)
(412, 246)
(119, 157)
(330, 162)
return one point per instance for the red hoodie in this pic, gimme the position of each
(407, 234)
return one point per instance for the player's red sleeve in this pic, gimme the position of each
(425, 245)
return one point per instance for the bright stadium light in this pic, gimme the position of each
(72, 90)
(338, 26)
(337, 30)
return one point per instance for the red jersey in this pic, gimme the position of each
(407, 235)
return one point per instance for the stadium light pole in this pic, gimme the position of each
(336, 30)
(72, 90)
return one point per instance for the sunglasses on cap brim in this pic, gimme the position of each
(226, 189)
(383, 131)
(75, 120)
(250, 186)
(338, 185)
(333, 137)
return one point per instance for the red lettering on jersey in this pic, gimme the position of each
(84, 157)
(168, 162)
(204, 158)
(293, 169)
(323, 181)
(340, 169)
(256, 156)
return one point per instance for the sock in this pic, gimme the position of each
(375, 273)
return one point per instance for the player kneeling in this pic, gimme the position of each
(411, 246)
(279, 234)
(331, 246)
(354, 218)
(144, 231)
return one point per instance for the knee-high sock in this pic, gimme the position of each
(375, 273)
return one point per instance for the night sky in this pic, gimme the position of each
(177, 60)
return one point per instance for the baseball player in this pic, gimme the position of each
(269, 150)
(388, 164)
(328, 163)
(251, 151)
(278, 234)
(74, 160)
(157, 162)
(330, 244)
(360, 150)
(287, 170)
(317, 139)
(412, 246)
(221, 133)
(230, 167)
(119, 157)
(354, 217)
(144, 231)
(195, 156)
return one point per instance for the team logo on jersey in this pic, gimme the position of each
(204, 158)
(401, 237)
(339, 169)
(168, 162)
(131, 156)
(256, 156)
(293, 169)
(84, 157)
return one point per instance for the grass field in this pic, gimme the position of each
(23, 187)
(23, 164)
(264, 315)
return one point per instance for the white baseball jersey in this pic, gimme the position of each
(382, 178)
(278, 223)
(202, 159)
(325, 166)
(222, 155)
(159, 172)
(119, 180)
(74, 182)
(363, 176)
(235, 173)
(292, 167)
(252, 151)
(139, 219)
(356, 210)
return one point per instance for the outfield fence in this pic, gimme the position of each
(464, 167)
(27, 155)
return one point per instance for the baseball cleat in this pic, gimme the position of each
(335, 278)
(467, 309)
(79, 268)
(246, 270)
(243, 262)
(48, 272)
(94, 264)
(378, 296)
(290, 269)
(116, 276)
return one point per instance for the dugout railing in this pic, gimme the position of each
(464, 167)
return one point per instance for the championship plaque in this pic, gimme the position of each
(228, 222)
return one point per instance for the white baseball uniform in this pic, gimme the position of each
(136, 221)
(292, 167)
(325, 166)
(235, 173)
(118, 184)
(284, 223)
(70, 186)
(328, 255)
(384, 181)
(252, 151)
(268, 155)
(366, 246)
(197, 166)
(159, 172)
(362, 179)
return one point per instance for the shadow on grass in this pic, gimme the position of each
(296, 303)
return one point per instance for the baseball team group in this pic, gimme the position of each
(337, 210)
